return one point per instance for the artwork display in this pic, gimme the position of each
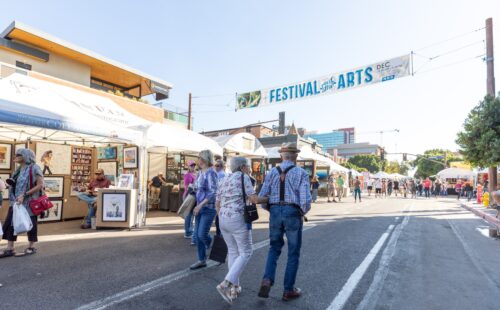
(5, 156)
(126, 181)
(81, 165)
(54, 158)
(130, 159)
(114, 207)
(54, 187)
(5, 193)
(54, 213)
(110, 170)
(106, 153)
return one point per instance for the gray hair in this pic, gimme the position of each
(220, 162)
(237, 163)
(207, 156)
(496, 193)
(27, 155)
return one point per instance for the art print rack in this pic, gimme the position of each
(81, 168)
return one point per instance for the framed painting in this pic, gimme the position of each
(5, 156)
(130, 159)
(5, 193)
(109, 167)
(126, 181)
(54, 187)
(114, 207)
(53, 214)
(106, 153)
(54, 158)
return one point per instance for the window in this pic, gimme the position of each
(23, 65)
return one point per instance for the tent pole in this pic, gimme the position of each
(143, 186)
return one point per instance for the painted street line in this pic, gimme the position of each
(357, 275)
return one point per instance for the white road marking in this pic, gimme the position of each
(357, 275)
(148, 286)
(370, 299)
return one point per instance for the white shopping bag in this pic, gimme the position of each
(21, 220)
(1, 231)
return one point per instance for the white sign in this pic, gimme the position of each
(330, 84)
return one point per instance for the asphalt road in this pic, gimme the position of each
(390, 253)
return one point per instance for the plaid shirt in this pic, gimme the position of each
(297, 188)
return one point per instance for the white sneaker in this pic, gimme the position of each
(224, 289)
(235, 291)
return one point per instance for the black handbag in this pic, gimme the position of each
(250, 210)
(219, 250)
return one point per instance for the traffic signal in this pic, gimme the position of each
(405, 157)
(382, 154)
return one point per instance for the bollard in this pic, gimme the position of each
(486, 199)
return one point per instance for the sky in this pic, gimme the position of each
(216, 48)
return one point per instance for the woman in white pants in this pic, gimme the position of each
(236, 232)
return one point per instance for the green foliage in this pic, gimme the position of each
(480, 139)
(392, 167)
(372, 163)
(427, 168)
(349, 165)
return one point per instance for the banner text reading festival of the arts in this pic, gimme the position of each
(375, 73)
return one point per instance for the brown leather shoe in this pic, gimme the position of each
(296, 293)
(265, 288)
(85, 226)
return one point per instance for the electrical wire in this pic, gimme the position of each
(212, 96)
(455, 50)
(451, 64)
(449, 39)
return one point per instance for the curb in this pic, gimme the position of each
(488, 218)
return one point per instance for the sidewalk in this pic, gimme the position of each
(480, 210)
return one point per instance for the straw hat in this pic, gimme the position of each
(289, 147)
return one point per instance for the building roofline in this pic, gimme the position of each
(48, 37)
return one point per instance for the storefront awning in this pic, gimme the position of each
(244, 144)
(39, 110)
(164, 138)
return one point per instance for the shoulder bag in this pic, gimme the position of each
(40, 204)
(249, 210)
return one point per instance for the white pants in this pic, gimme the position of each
(239, 246)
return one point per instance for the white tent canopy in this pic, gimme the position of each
(244, 144)
(163, 138)
(39, 110)
(455, 173)
(355, 173)
(381, 175)
(398, 176)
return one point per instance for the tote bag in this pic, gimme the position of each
(219, 250)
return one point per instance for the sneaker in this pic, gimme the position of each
(296, 293)
(235, 291)
(188, 236)
(224, 289)
(198, 265)
(265, 288)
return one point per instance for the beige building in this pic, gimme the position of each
(43, 56)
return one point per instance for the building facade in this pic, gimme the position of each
(332, 139)
(43, 56)
(258, 131)
(353, 149)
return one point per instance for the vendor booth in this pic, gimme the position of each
(64, 127)
(246, 145)
(453, 175)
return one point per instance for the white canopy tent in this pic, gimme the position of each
(163, 138)
(398, 176)
(456, 173)
(244, 144)
(355, 173)
(381, 175)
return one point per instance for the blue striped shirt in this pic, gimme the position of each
(297, 188)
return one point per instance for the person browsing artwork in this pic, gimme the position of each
(155, 187)
(89, 195)
(287, 190)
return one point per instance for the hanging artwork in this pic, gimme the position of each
(54, 187)
(54, 158)
(5, 156)
(130, 157)
(106, 153)
(54, 213)
(126, 181)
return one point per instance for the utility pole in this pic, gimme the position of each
(189, 113)
(490, 87)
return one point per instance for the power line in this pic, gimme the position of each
(214, 95)
(449, 39)
(451, 64)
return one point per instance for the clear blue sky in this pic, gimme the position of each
(221, 47)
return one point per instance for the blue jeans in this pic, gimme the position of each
(357, 193)
(204, 221)
(314, 194)
(284, 220)
(90, 200)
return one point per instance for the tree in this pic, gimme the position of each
(349, 165)
(480, 140)
(372, 163)
(392, 167)
(427, 168)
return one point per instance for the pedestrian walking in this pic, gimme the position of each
(331, 187)
(384, 188)
(390, 187)
(237, 233)
(427, 187)
(189, 179)
(468, 190)
(458, 189)
(437, 188)
(204, 212)
(287, 191)
(370, 187)
(413, 189)
(340, 187)
(396, 187)
(314, 188)
(220, 168)
(357, 189)
(496, 199)
(378, 188)
(27, 184)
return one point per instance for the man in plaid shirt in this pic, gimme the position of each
(287, 191)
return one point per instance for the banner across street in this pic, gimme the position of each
(329, 84)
